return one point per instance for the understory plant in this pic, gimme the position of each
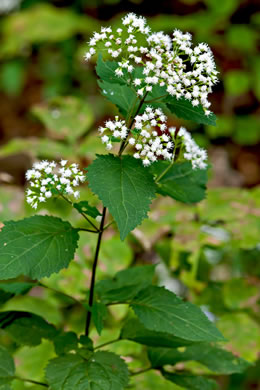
(147, 76)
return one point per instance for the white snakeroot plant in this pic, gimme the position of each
(148, 76)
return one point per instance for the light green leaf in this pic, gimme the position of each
(121, 95)
(162, 311)
(9, 290)
(125, 187)
(7, 368)
(126, 284)
(37, 246)
(181, 182)
(104, 371)
(216, 359)
(99, 314)
(84, 207)
(26, 328)
(133, 330)
(191, 382)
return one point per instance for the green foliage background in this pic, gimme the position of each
(50, 107)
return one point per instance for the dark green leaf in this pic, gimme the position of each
(106, 71)
(84, 207)
(99, 314)
(216, 359)
(126, 284)
(191, 382)
(162, 311)
(37, 246)
(125, 187)
(7, 368)
(9, 290)
(181, 182)
(133, 330)
(26, 328)
(104, 371)
(121, 95)
(65, 342)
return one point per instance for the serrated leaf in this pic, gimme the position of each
(121, 95)
(162, 311)
(216, 359)
(106, 71)
(191, 382)
(7, 368)
(36, 247)
(9, 290)
(26, 328)
(133, 330)
(84, 207)
(104, 371)
(125, 187)
(181, 182)
(65, 342)
(126, 284)
(99, 314)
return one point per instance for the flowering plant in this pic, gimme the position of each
(150, 75)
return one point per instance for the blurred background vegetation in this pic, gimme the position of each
(50, 107)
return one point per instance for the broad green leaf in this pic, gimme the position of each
(66, 117)
(99, 314)
(162, 311)
(126, 284)
(133, 330)
(9, 290)
(125, 187)
(121, 95)
(216, 359)
(84, 207)
(104, 371)
(65, 342)
(181, 182)
(26, 328)
(37, 246)
(106, 71)
(7, 368)
(191, 382)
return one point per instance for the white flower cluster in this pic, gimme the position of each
(116, 129)
(191, 151)
(149, 138)
(47, 179)
(172, 63)
(8, 5)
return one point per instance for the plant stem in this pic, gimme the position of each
(31, 381)
(107, 343)
(88, 230)
(92, 284)
(59, 292)
(164, 172)
(141, 371)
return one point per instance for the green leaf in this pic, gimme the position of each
(84, 207)
(133, 330)
(26, 328)
(106, 71)
(104, 371)
(7, 368)
(65, 342)
(162, 311)
(37, 246)
(9, 290)
(181, 182)
(66, 117)
(126, 284)
(121, 95)
(191, 382)
(99, 314)
(216, 359)
(125, 187)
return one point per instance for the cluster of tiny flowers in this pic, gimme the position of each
(8, 5)
(149, 139)
(47, 179)
(192, 152)
(116, 129)
(163, 60)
